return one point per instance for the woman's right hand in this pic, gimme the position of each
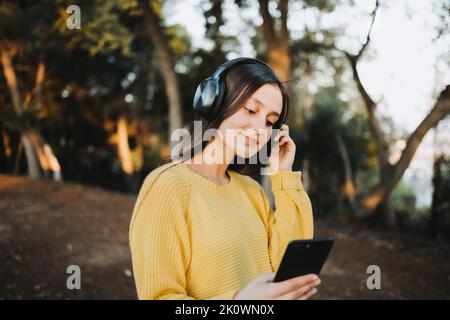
(262, 287)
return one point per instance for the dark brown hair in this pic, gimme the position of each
(241, 82)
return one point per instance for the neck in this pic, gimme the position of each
(213, 161)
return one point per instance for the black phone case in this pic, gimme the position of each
(304, 257)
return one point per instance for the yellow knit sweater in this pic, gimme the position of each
(193, 239)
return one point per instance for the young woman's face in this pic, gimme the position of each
(249, 129)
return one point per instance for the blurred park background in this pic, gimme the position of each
(90, 93)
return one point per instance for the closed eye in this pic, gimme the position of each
(250, 110)
(268, 123)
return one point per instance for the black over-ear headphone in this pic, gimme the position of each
(211, 91)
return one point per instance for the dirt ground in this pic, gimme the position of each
(47, 226)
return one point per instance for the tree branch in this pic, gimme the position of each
(10, 75)
(39, 80)
(437, 113)
(166, 64)
(373, 14)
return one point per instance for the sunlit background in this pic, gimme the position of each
(90, 92)
(406, 67)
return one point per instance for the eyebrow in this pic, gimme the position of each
(261, 103)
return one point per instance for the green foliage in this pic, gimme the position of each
(101, 29)
(403, 198)
(88, 74)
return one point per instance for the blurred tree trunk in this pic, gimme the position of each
(166, 65)
(278, 55)
(125, 155)
(392, 174)
(307, 103)
(378, 199)
(48, 162)
(369, 205)
(39, 155)
(307, 97)
(126, 161)
(348, 187)
(32, 162)
(130, 155)
(436, 218)
(6, 144)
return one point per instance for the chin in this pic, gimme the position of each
(246, 151)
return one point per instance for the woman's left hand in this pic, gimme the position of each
(282, 153)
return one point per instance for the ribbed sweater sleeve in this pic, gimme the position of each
(160, 241)
(292, 218)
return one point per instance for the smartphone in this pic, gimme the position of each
(304, 257)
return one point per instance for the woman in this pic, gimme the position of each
(202, 228)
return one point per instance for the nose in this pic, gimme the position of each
(259, 123)
(252, 134)
(256, 129)
(256, 133)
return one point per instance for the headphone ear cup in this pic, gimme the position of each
(205, 97)
(221, 90)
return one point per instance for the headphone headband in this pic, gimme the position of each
(230, 63)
